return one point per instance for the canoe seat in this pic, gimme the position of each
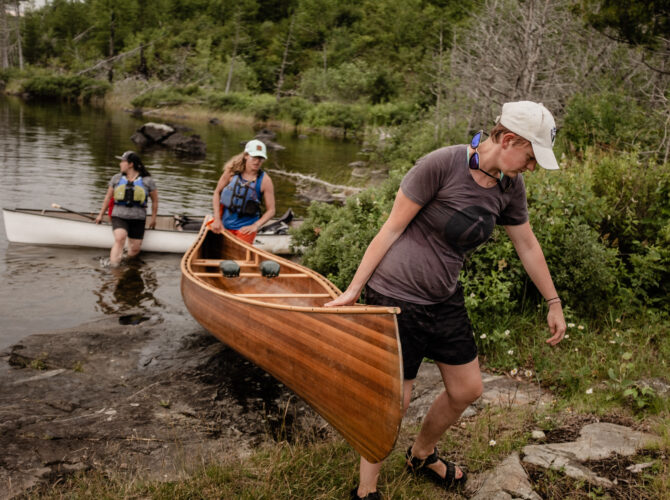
(229, 268)
(269, 268)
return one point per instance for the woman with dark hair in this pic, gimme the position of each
(130, 190)
(447, 205)
(236, 202)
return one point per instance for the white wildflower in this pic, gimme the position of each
(571, 325)
(528, 373)
(506, 333)
(566, 336)
(513, 372)
(482, 336)
(589, 390)
(492, 442)
(580, 327)
(510, 352)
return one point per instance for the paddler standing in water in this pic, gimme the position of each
(236, 202)
(130, 189)
(447, 205)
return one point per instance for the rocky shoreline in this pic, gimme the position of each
(156, 400)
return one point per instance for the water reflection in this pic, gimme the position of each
(129, 287)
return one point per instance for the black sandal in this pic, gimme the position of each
(420, 466)
(370, 496)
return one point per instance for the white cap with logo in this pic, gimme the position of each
(533, 122)
(255, 148)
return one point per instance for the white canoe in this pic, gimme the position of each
(173, 234)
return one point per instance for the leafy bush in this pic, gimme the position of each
(65, 87)
(166, 96)
(613, 120)
(332, 114)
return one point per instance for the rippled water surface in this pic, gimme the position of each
(64, 154)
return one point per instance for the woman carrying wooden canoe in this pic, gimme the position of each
(447, 205)
(130, 191)
(236, 202)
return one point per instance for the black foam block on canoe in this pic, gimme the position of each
(269, 268)
(230, 268)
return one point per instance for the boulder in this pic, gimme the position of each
(169, 136)
(189, 145)
(156, 132)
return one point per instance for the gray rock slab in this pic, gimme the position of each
(498, 391)
(506, 482)
(596, 441)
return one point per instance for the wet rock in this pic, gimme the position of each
(156, 132)
(358, 164)
(150, 400)
(266, 134)
(506, 482)
(169, 136)
(189, 145)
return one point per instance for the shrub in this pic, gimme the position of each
(332, 114)
(65, 87)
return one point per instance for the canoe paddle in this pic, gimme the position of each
(56, 205)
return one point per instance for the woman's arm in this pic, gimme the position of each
(268, 191)
(532, 258)
(402, 213)
(105, 204)
(154, 208)
(216, 225)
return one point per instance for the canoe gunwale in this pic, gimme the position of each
(189, 273)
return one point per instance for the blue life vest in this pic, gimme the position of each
(241, 202)
(130, 193)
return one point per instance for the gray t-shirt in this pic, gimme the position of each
(135, 212)
(423, 264)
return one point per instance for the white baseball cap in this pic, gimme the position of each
(533, 122)
(255, 148)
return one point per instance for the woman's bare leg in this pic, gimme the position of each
(369, 472)
(463, 385)
(116, 253)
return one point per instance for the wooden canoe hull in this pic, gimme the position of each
(57, 228)
(344, 362)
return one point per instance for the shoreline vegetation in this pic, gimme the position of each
(407, 78)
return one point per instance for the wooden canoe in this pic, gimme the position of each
(345, 362)
(173, 233)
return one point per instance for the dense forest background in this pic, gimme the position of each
(406, 77)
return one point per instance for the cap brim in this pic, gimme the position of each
(259, 154)
(119, 157)
(545, 157)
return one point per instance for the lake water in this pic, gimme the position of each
(58, 153)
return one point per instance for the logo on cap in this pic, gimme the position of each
(259, 147)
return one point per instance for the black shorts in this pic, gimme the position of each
(134, 227)
(441, 332)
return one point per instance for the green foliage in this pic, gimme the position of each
(612, 120)
(332, 114)
(638, 395)
(66, 87)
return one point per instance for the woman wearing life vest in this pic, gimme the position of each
(236, 202)
(130, 190)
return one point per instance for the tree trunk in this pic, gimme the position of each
(284, 61)
(110, 72)
(18, 33)
(4, 36)
(236, 42)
